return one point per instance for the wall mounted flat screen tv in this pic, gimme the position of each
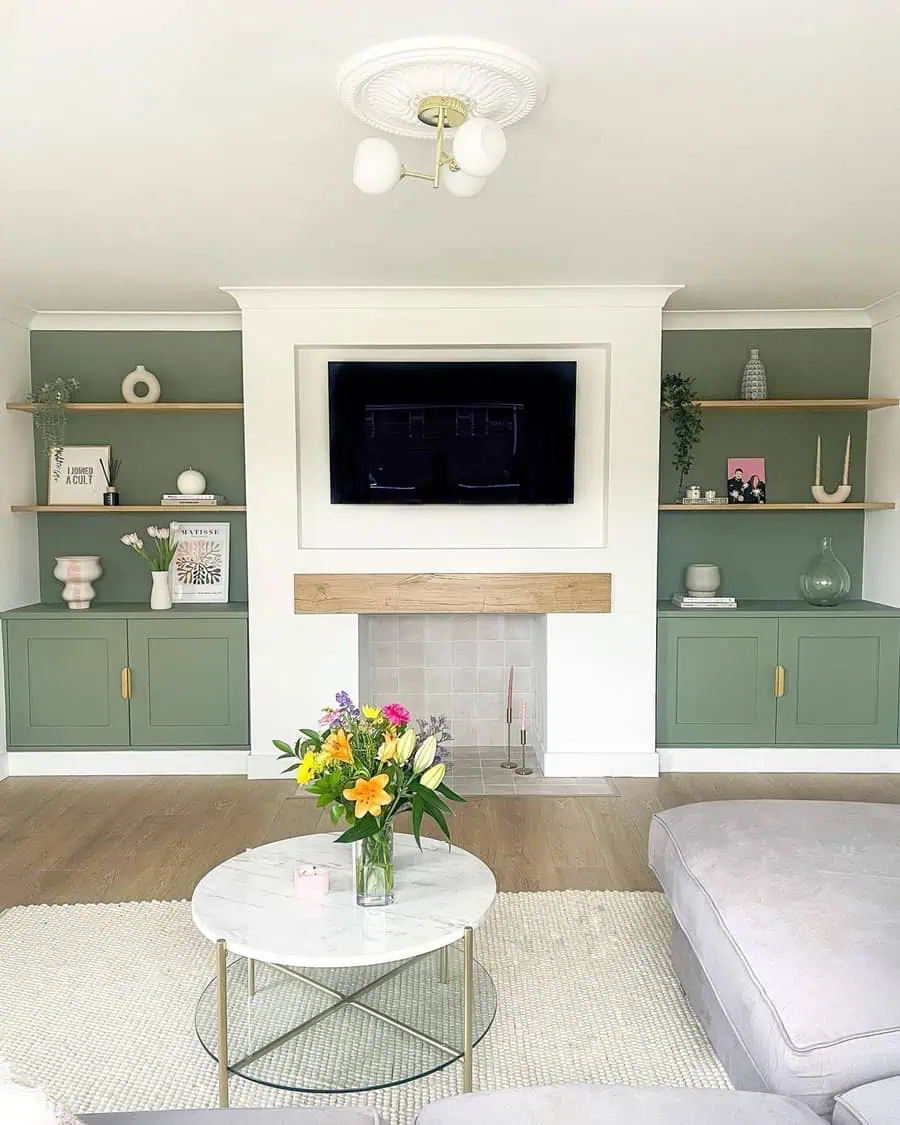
(452, 433)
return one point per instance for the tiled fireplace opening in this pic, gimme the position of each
(458, 665)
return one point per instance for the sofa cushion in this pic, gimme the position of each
(793, 910)
(299, 1115)
(878, 1103)
(616, 1105)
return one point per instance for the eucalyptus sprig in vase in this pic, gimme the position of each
(159, 560)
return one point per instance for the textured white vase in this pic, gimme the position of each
(77, 573)
(753, 382)
(160, 594)
(702, 580)
(137, 378)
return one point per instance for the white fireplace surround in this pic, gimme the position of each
(600, 681)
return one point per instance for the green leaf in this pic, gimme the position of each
(438, 817)
(324, 801)
(335, 812)
(291, 769)
(418, 810)
(312, 735)
(365, 826)
(432, 801)
(283, 747)
(449, 793)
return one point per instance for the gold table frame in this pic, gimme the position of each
(353, 998)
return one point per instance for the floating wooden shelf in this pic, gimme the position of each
(797, 403)
(100, 509)
(141, 407)
(863, 506)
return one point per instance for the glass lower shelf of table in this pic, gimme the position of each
(295, 1029)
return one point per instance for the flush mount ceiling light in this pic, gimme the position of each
(465, 89)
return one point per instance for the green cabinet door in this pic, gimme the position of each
(64, 682)
(716, 681)
(189, 682)
(841, 681)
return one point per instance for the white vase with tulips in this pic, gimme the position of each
(159, 559)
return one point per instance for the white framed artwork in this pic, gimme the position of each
(199, 571)
(76, 476)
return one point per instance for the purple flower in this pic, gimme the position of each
(345, 703)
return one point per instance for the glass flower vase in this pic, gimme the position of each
(373, 867)
(753, 382)
(826, 580)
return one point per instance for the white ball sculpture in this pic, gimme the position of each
(191, 483)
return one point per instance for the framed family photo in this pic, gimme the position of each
(746, 480)
(200, 568)
(75, 474)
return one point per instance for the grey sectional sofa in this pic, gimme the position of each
(786, 939)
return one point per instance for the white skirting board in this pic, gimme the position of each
(126, 763)
(779, 759)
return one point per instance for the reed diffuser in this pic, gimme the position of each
(111, 475)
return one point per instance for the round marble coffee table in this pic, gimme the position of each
(331, 997)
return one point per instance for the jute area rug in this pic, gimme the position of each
(97, 1003)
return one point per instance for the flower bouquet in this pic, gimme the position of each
(159, 560)
(365, 766)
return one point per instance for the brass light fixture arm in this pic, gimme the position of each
(439, 113)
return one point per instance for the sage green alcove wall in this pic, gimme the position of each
(763, 554)
(191, 367)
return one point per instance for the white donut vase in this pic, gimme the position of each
(140, 377)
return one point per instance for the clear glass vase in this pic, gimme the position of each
(373, 867)
(826, 580)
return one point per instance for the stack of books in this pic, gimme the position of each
(182, 500)
(685, 601)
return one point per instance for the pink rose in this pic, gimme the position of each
(396, 714)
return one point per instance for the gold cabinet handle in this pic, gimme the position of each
(126, 683)
(779, 681)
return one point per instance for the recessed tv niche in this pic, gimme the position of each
(452, 433)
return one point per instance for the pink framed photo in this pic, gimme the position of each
(746, 480)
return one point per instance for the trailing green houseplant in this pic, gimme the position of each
(687, 422)
(51, 418)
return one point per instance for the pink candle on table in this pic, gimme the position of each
(524, 715)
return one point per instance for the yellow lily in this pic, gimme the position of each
(388, 750)
(308, 768)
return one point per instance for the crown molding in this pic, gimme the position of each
(20, 315)
(426, 297)
(687, 320)
(886, 309)
(136, 322)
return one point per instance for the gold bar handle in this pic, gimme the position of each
(779, 681)
(126, 683)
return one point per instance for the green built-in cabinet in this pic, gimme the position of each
(779, 674)
(122, 677)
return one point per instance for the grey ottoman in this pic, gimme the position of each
(875, 1104)
(787, 938)
(616, 1105)
(292, 1116)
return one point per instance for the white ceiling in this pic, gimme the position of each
(152, 151)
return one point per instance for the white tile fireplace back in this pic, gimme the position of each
(457, 665)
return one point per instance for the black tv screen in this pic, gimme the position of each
(452, 433)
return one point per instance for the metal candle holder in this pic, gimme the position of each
(523, 770)
(509, 764)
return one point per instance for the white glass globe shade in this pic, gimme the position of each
(479, 146)
(463, 185)
(191, 483)
(377, 167)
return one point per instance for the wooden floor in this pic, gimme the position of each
(121, 839)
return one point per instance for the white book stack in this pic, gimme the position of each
(182, 500)
(685, 601)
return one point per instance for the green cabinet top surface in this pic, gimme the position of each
(796, 608)
(128, 609)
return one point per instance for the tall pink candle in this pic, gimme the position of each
(509, 694)
(524, 715)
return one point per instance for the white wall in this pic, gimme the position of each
(881, 565)
(18, 533)
(601, 668)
